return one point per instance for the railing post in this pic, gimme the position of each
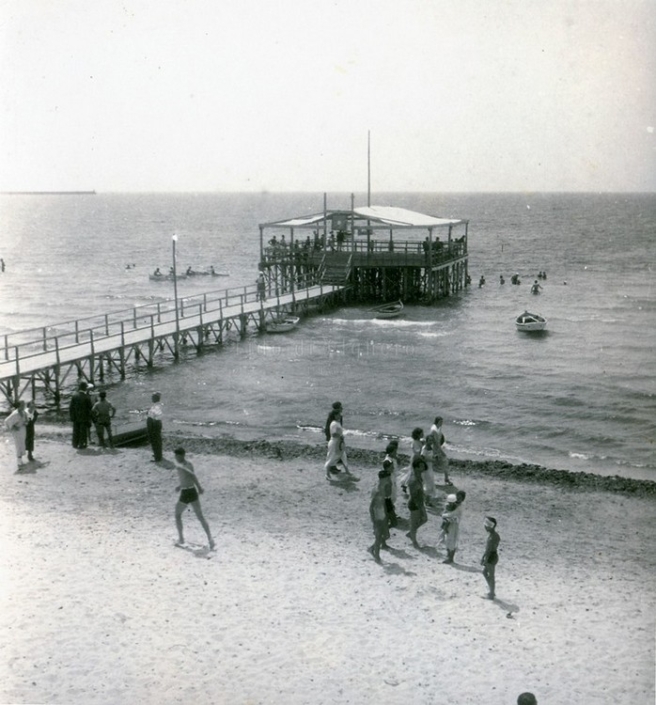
(205, 302)
(182, 308)
(91, 340)
(159, 312)
(122, 334)
(107, 325)
(6, 347)
(77, 332)
(134, 317)
(200, 313)
(17, 361)
(152, 327)
(57, 349)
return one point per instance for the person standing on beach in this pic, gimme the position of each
(378, 515)
(417, 436)
(15, 423)
(491, 557)
(154, 426)
(428, 454)
(336, 447)
(31, 415)
(416, 504)
(189, 489)
(392, 461)
(103, 412)
(80, 413)
(451, 527)
(440, 460)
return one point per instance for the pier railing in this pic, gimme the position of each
(372, 253)
(32, 342)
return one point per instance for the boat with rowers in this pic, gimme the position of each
(158, 276)
(205, 273)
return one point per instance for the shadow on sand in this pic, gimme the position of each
(31, 467)
(196, 550)
(467, 568)
(396, 569)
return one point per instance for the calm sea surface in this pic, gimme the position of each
(581, 397)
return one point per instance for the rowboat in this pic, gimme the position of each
(391, 310)
(283, 324)
(206, 273)
(165, 277)
(530, 322)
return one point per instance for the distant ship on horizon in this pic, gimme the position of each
(48, 193)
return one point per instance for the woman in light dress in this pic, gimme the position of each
(15, 423)
(337, 451)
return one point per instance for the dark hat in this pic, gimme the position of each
(103, 395)
(179, 451)
(337, 405)
(83, 386)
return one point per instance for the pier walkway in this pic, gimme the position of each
(43, 359)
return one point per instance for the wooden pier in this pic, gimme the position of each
(45, 361)
(354, 255)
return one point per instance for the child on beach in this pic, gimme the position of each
(189, 489)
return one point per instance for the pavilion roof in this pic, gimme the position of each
(389, 216)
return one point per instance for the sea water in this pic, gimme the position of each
(580, 397)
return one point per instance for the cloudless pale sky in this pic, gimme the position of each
(278, 95)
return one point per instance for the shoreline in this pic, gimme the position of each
(292, 450)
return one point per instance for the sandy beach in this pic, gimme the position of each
(99, 606)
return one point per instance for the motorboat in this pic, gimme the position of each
(283, 324)
(530, 322)
(391, 310)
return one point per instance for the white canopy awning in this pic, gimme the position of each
(402, 218)
(383, 215)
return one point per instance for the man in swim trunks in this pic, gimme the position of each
(189, 489)
(490, 557)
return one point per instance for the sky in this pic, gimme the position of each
(271, 95)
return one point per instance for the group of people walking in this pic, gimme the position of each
(419, 488)
(418, 483)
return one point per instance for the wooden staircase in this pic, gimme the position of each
(336, 268)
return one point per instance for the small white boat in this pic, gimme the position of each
(530, 322)
(391, 310)
(283, 324)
